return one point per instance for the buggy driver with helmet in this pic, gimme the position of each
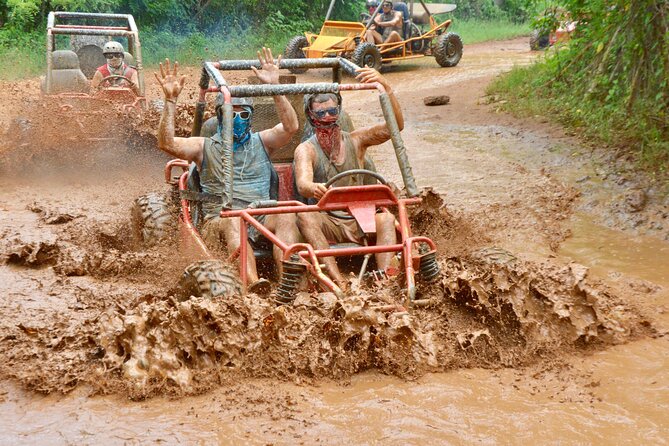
(116, 72)
(254, 177)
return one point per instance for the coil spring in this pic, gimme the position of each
(429, 268)
(293, 270)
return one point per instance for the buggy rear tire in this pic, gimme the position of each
(210, 279)
(367, 54)
(448, 50)
(539, 41)
(152, 219)
(294, 51)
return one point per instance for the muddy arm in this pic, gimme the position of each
(304, 172)
(97, 77)
(280, 134)
(377, 134)
(189, 149)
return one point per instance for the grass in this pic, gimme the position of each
(22, 55)
(531, 91)
(476, 31)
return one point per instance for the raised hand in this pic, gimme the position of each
(367, 75)
(269, 72)
(169, 81)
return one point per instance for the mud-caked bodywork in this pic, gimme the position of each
(73, 110)
(422, 36)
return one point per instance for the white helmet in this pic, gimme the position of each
(112, 48)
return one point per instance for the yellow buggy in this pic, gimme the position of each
(422, 36)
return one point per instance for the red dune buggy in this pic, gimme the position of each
(208, 277)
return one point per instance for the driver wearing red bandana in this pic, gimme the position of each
(329, 152)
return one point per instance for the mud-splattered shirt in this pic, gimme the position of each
(252, 173)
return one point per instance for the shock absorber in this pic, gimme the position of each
(293, 271)
(429, 268)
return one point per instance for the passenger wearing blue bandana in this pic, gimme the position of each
(254, 177)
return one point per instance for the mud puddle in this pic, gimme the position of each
(525, 345)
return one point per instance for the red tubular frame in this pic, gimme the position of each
(365, 198)
(310, 256)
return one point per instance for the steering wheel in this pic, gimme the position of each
(108, 79)
(348, 173)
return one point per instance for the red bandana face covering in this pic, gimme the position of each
(328, 134)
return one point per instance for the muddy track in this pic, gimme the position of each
(86, 308)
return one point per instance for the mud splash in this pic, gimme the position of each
(489, 310)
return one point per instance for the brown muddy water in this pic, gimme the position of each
(556, 335)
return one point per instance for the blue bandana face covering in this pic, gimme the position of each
(241, 128)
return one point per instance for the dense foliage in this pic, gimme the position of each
(612, 78)
(212, 15)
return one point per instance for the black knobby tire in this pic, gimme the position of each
(367, 54)
(294, 51)
(539, 41)
(152, 219)
(448, 50)
(211, 279)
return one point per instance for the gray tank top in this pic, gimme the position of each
(326, 169)
(252, 171)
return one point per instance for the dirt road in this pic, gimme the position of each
(551, 321)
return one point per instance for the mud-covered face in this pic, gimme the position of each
(115, 60)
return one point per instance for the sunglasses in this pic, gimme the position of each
(114, 56)
(320, 114)
(387, 5)
(242, 114)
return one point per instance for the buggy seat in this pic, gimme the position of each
(66, 76)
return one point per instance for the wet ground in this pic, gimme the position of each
(550, 321)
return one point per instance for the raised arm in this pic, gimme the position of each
(279, 135)
(377, 134)
(189, 149)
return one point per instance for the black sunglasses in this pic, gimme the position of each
(242, 114)
(320, 114)
(114, 56)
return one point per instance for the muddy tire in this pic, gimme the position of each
(152, 219)
(367, 54)
(448, 50)
(294, 51)
(211, 279)
(538, 41)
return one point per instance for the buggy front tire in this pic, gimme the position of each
(152, 221)
(210, 279)
(448, 50)
(294, 51)
(367, 54)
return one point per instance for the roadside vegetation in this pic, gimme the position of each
(191, 31)
(610, 82)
